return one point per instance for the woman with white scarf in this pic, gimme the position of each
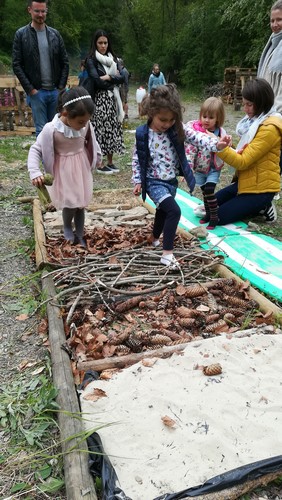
(270, 64)
(103, 85)
(256, 160)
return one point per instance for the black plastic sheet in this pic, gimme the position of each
(100, 466)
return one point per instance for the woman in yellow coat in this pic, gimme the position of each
(256, 159)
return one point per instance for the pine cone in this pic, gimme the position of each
(211, 318)
(214, 369)
(216, 327)
(134, 344)
(122, 350)
(159, 340)
(186, 322)
(195, 291)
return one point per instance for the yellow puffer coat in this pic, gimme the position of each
(257, 167)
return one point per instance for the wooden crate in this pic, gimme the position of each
(15, 115)
(234, 81)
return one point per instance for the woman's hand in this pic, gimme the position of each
(137, 189)
(106, 78)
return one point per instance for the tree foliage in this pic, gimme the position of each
(192, 40)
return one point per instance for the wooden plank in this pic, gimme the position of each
(78, 481)
(8, 133)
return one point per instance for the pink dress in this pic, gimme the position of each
(73, 181)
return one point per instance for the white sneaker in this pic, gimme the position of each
(170, 261)
(155, 243)
(270, 213)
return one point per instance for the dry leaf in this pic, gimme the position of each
(39, 370)
(108, 374)
(148, 362)
(95, 395)
(203, 308)
(169, 422)
(22, 317)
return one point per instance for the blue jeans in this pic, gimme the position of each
(43, 106)
(233, 207)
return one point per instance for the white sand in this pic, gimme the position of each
(222, 422)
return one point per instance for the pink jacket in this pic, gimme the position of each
(201, 159)
(43, 150)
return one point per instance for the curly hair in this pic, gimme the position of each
(164, 97)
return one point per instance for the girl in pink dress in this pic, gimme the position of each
(69, 151)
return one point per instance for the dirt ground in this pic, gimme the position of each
(19, 340)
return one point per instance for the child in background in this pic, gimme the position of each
(69, 151)
(159, 157)
(83, 74)
(206, 164)
(156, 78)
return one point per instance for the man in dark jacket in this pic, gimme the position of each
(40, 62)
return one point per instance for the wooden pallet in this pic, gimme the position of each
(15, 115)
(235, 79)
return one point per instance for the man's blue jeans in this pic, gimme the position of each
(43, 106)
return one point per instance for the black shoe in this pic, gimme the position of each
(105, 170)
(113, 168)
(270, 213)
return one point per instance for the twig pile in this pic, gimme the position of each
(127, 302)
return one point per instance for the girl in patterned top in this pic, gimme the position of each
(159, 158)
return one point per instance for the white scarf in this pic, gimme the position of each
(273, 47)
(249, 127)
(110, 68)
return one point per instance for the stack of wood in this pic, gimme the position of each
(234, 82)
(15, 115)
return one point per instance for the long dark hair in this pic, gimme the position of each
(164, 97)
(93, 46)
(260, 93)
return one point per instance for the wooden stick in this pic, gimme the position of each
(26, 199)
(39, 233)
(99, 365)
(78, 481)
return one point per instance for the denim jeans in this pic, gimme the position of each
(43, 106)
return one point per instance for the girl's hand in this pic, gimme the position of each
(224, 141)
(38, 181)
(106, 78)
(137, 189)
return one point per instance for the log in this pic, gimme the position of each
(99, 365)
(237, 491)
(78, 481)
(39, 234)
